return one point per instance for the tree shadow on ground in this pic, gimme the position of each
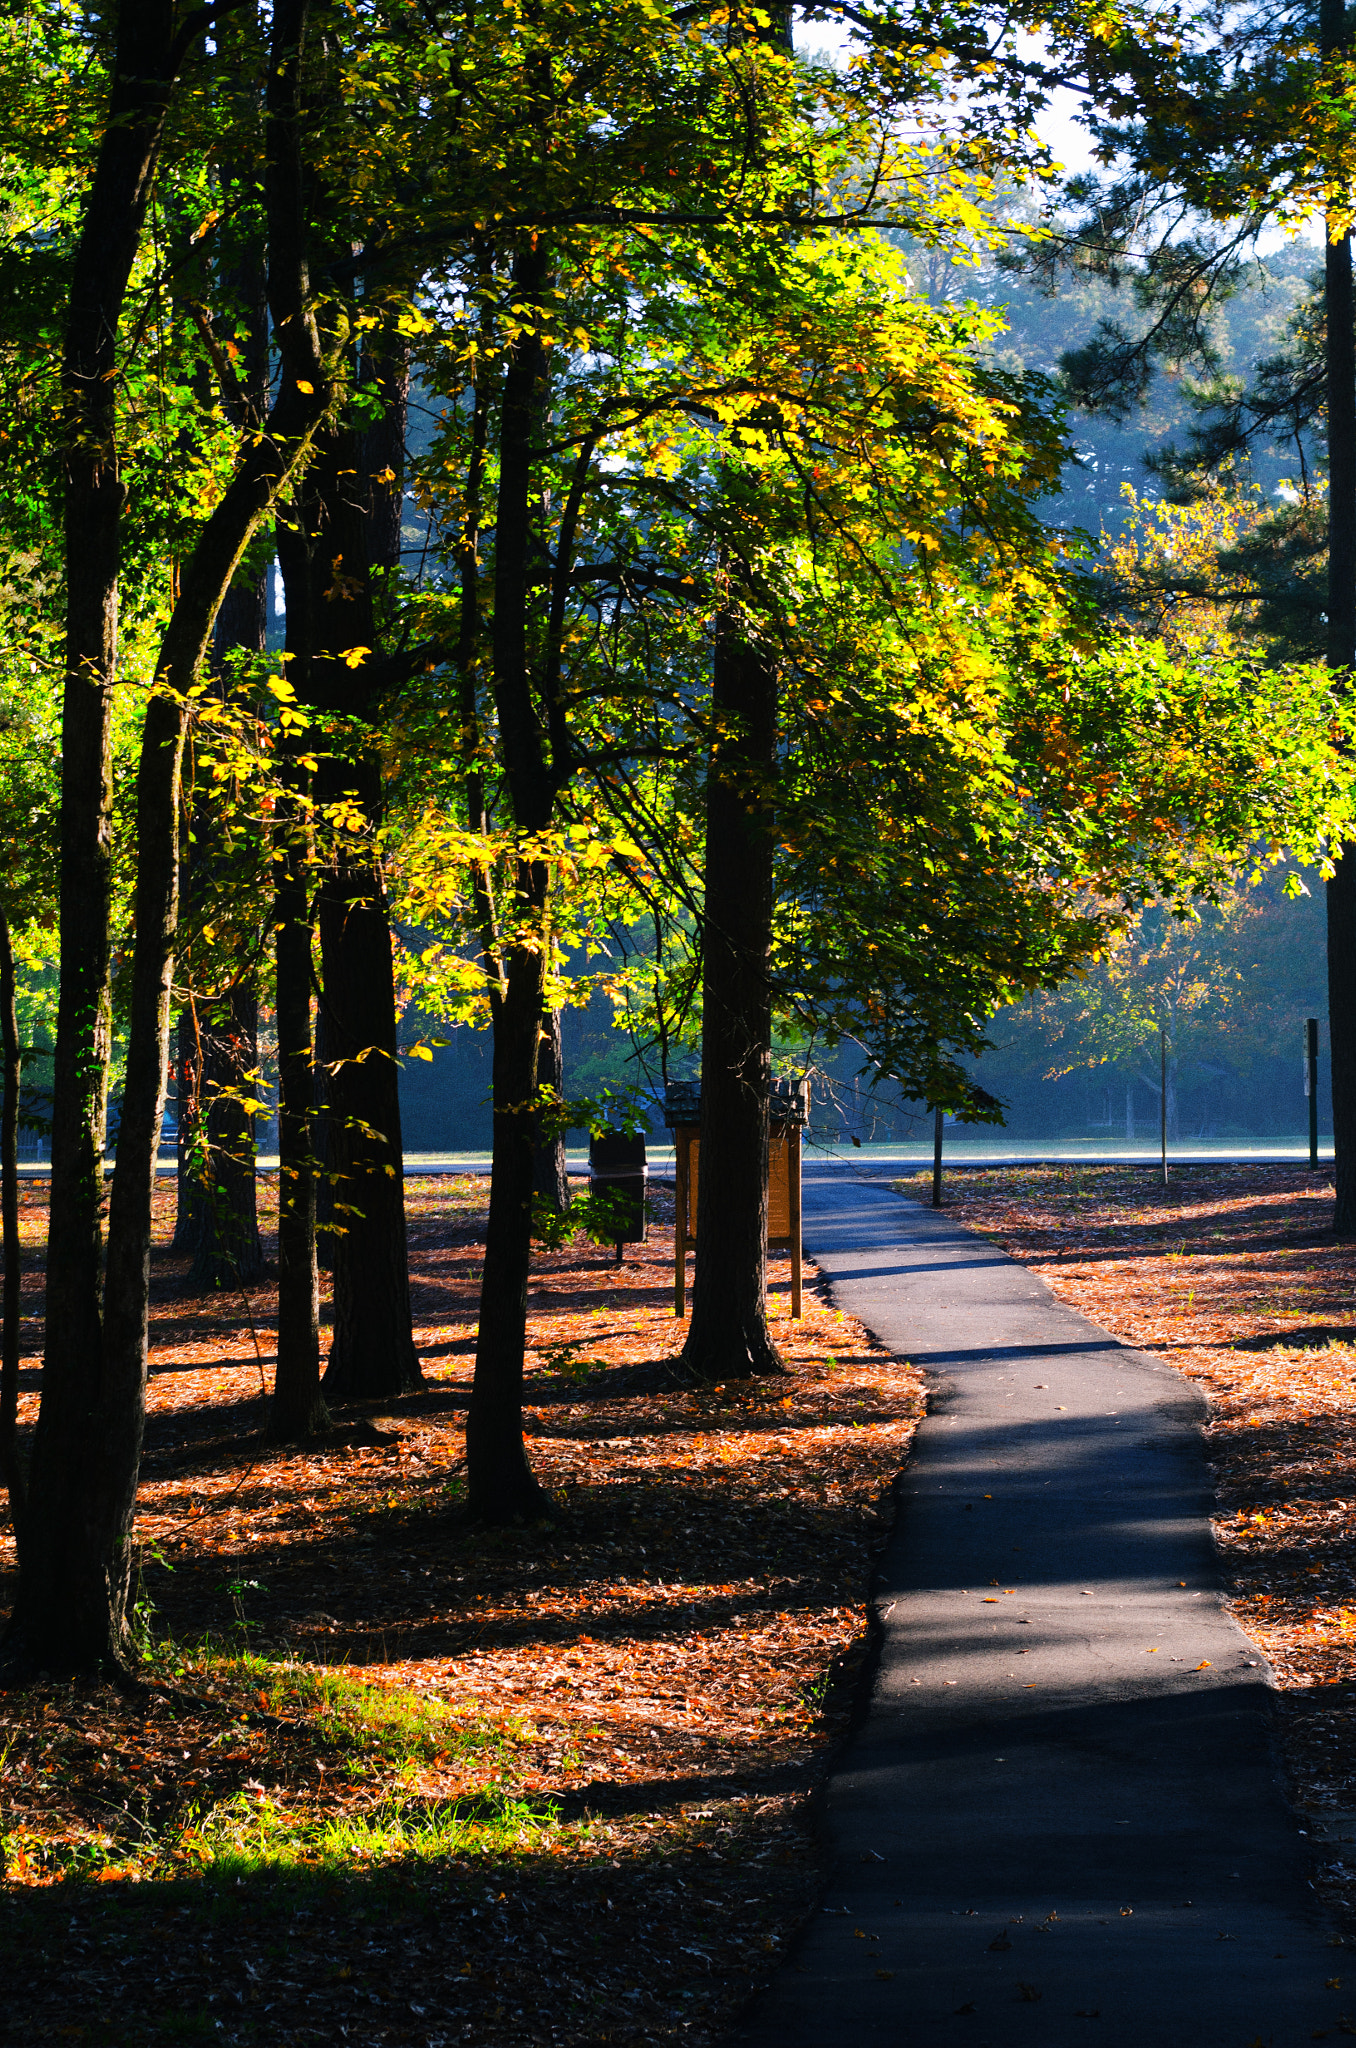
(679, 1553)
(543, 1941)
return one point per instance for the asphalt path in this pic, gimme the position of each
(1062, 1818)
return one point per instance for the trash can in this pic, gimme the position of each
(617, 1167)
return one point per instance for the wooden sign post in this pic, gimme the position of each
(790, 1109)
(686, 1145)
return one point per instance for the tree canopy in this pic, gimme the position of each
(654, 554)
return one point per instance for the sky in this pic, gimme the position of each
(1058, 126)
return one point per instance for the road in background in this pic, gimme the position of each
(957, 1152)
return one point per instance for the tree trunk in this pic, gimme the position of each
(10, 1470)
(327, 1218)
(218, 1221)
(1341, 906)
(76, 1565)
(74, 1572)
(728, 1337)
(216, 1210)
(373, 1354)
(187, 1186)
(1340, 350)
(264, 467)
(549, 1179)
(387, 371)
(122, 1391)
(350, 516)
(229, 1251)
(298, 1409)
(218, 1217)
(501, 1485)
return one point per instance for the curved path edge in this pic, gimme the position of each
(1062, 1817)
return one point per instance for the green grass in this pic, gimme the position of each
(392, 1724)
(373, 1740)
(244, 1837)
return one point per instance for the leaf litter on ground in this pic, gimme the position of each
(1232, 1274)
(435, 1784)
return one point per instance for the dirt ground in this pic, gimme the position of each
(1233, 1275)
(395, 1780)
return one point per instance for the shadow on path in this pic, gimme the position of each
(1063, 1804)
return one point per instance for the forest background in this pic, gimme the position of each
(1240, 985)
(676, 617)
(556, 476)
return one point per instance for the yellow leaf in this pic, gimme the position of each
(354, 656)
(302, 385)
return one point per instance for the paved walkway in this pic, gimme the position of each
(1062, 1819)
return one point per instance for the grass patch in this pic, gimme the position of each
(393, 1724)
(289, 1766)
(246, 1837)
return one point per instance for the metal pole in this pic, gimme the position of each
(937, 1159)
(1163, 1097)
(1311, 1084)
